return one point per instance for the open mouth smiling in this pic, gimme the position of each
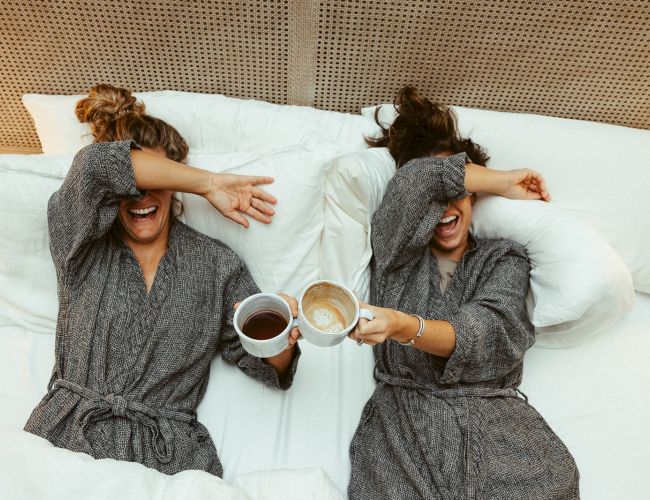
(447, 226)
(143, 214)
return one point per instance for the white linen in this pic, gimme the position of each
(595, 397)
(579, 284)
(595, 171)
(27, 275)
(34, 468)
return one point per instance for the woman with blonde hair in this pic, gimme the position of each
(145, 302)
(446, 420)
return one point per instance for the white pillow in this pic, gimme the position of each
(281, 256)
(579, 284)
(597, 172)
(27, 276)
(210, 123)
(354, 189)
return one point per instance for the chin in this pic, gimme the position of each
(146, 237)
(447, 247)
(142, 234)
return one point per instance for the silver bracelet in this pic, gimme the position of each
(418, 334)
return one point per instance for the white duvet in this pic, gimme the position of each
(31, 468)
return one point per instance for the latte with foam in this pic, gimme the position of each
(328, 308)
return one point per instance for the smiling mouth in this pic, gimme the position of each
(143, 214)
(446, 228)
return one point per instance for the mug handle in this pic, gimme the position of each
(367, 314)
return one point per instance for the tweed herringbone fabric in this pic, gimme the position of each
(131, 366)
(454, 428)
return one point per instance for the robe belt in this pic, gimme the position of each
(448, 392)
(113, 405)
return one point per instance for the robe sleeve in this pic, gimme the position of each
(415, 200)
(239, 286)
(492, 330)
(86, 205)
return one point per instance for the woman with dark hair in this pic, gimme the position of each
(145, 302)
(450, 332)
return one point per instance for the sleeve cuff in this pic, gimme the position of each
(454, 180)
(286, 381)
(465, 346)
(446, 175)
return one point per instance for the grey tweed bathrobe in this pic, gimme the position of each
(131, 366)
(454, 428)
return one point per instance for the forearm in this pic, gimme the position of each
(281, 362)
(479, 179)
(415, 200)
(438, 338)
(156, 172)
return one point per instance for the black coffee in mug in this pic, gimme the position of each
(264, 325)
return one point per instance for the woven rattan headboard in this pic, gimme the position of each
(585, 59)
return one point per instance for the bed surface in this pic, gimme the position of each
(594, 396)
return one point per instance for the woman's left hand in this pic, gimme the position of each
(388, 323)
(525, 184)
(235, 195)
(294, 334)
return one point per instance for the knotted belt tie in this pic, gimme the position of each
(112, 405)
(448, 392)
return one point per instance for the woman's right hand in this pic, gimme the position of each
(235, 195)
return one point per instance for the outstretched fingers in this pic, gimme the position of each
(237, 217)
(262, 206)
(257, 215)
(263, 195)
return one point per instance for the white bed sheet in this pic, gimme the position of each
(594, 396)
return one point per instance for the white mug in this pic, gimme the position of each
(327, 312)
(258, 303)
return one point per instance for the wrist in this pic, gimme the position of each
(286, 354)
(211, 183)
(480, 179)
(503, 182)
(407, 329)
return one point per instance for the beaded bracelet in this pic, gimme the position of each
(418, 334)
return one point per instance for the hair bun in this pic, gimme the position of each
(106, 104)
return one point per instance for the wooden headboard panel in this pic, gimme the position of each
(585, 59)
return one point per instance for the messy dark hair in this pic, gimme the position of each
(423, 128)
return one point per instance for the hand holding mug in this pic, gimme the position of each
(325, 313)
(294, 334)
(387, 323)
(266, 325)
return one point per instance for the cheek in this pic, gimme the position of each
(165, 198)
